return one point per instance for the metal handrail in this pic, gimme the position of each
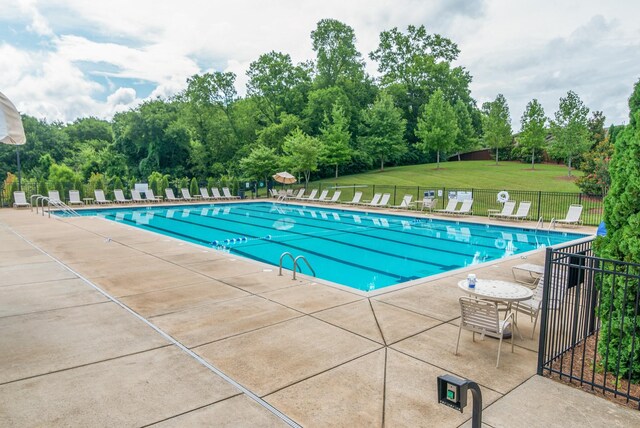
(295, 265)
(31, 200)
(552, 223)
(56, 204)
(540, 223)
(282, 256)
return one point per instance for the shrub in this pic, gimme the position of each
(193, 188)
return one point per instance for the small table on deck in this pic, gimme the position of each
(88, 201)
(499, 292)
(531, 268)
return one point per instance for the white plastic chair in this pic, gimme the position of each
(54, 196)
(522, 212)
(507, 209)
(20, 200)
(170, 196)
(74, 198)
(451, 206)
(100, 199)
(532, 306)
(406, 201)
(356, 199)
(573, 216)
(336, 197)
(119, 195)
(186, 195)
(480, 316)
(227, 194)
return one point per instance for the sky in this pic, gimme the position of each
(65, 59)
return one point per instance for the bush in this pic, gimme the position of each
(77, 185)
(193, 188)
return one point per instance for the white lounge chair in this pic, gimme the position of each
(216, 193)
(451, 206)
(356, 199)
(507, 210)
(480, 316)
(186, 195)
(384, 201)
(323, 196)
(465, 208)
(135, 196)
(522, 213)
(336, 197)
(405, 204)
(373, 202)
(119, 195)
(74, 198)
(573, 216)
(204, 194)
(227, 194)
(170, 196)
(151, 197)
(297, 195)
(274, 193)
(100, 199)
(20, 200)
(311, 197)
(54, 196)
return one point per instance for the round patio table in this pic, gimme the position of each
(499, 292)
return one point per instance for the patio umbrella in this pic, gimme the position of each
(11, 130)
(284, 178)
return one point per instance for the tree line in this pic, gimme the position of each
(317, 119)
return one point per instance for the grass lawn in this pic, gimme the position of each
(470, 174)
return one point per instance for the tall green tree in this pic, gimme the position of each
(570, 128)
(335, 136)
(618, 344)
(437, 126)
(466, 137)
(260, 164)
(496, 124)
(382, 133)
(277, 85)
(337, 58)
(533, 133)
(302, 153)
(413, 65)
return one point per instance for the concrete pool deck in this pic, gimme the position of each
(109, 325)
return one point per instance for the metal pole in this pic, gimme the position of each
(476, 416)
(19, 172)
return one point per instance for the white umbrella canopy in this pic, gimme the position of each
(284, 177)
(11, 130)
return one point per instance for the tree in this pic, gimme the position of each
(277, 85)
(618, 306)
(533, 133)
(496, 124)
(466, 136)
(413, 65)
(437, 126)
(302, 153)
(336, 55)
(335, 136)
(382, 133)
(260, 164)
(570, 128)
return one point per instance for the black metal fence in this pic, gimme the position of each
(545, 205)
(572, 345)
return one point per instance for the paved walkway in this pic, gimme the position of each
(109, 325)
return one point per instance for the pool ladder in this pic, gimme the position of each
(295, 263)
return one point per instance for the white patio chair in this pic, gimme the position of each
(481, 316)
(522, 213)
(186, 195)
(119, 195)
(227, 194)
(373, 202)
(323, 196)
(20, 200)
(74, 198)
(451, 206)
(533, 306)
(356, 199)
(384, 201)
(311, 197)
(297, 195)
(54, 196)
(465, 208)
(507, 210)
(171, 197)
(216, 193)
(100, 199)
(573, 216)
(135, 196)
(406, 202)
(336, 197)
(204, 193)
(151, 197)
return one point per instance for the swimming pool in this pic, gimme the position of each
(362, 250)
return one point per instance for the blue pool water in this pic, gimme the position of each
(366, 251)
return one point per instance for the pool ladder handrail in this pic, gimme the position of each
(295, 264)
(40, 200)
(540, 223)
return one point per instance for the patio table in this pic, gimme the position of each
(498, 291)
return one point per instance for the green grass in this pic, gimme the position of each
(470, 174)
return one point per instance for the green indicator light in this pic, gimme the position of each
(451, 395)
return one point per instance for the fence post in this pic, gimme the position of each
(395, 188)
(546, 290)
(539, 202)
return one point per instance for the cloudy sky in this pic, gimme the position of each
(64, 59)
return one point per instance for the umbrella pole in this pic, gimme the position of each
(19, 174)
